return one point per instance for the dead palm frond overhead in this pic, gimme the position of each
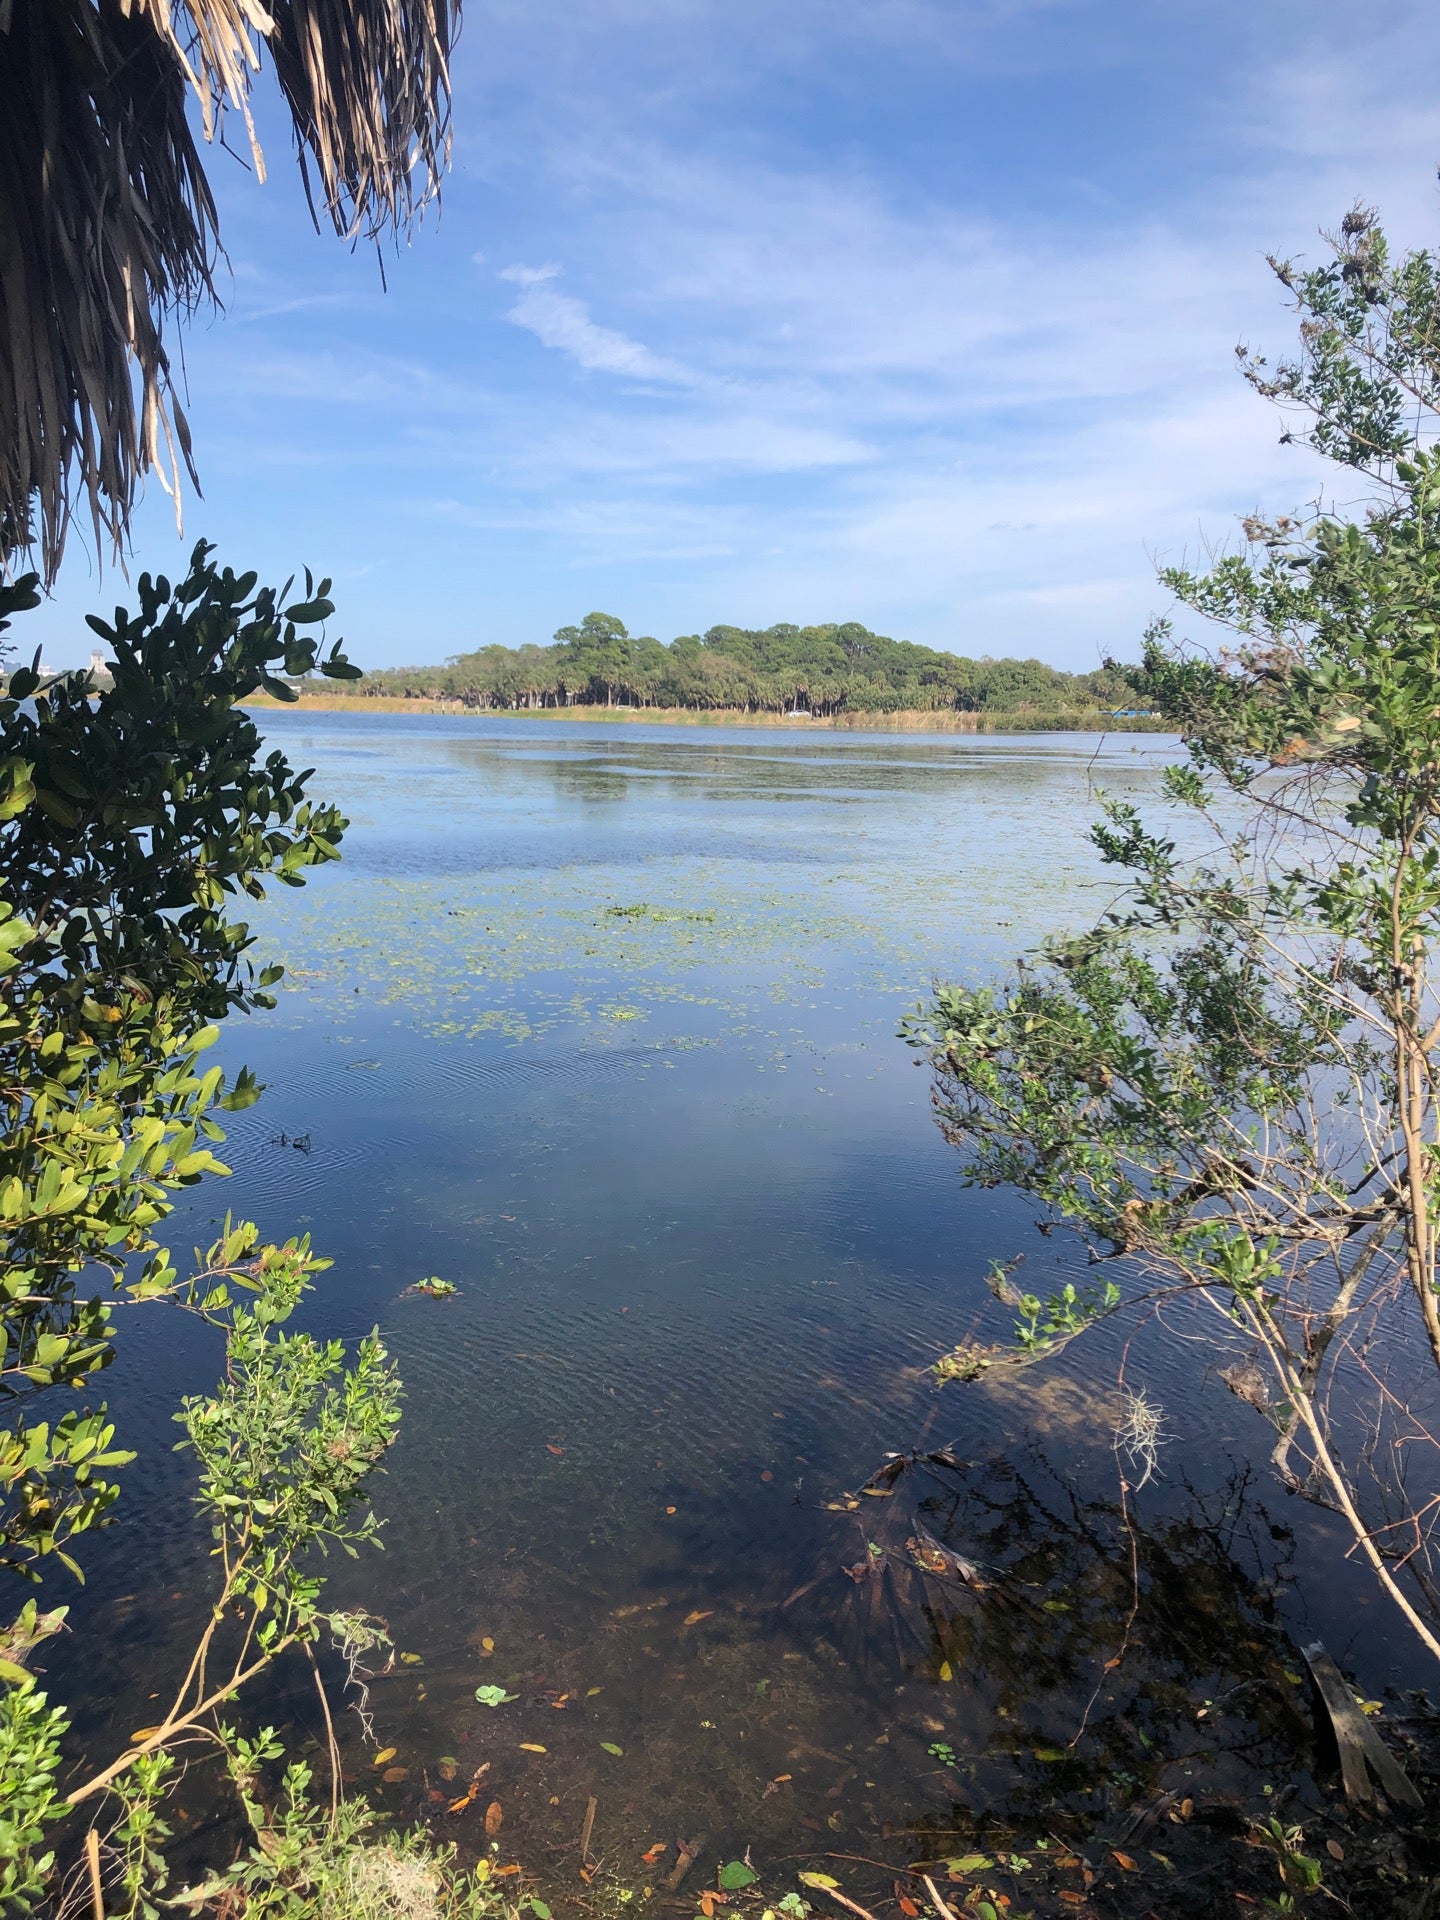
(108, 225)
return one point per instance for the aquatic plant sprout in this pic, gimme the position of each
(356, 1636)
(1140, 1435)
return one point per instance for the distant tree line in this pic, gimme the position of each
(821, 670)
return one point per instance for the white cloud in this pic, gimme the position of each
(835, 365)
(560, 322)
(1000, 421)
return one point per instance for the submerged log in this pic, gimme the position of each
(1362, 1751)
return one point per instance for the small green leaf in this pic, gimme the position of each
(610, 1747)
(494, 1696)
(735, 1874)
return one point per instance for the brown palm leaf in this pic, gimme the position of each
(108, 225)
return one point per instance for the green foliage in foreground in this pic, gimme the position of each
(823, 670)
(1229, 1086)
(129, 820)
(311, 1863)
(131, 817)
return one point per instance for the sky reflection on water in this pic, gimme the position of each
(601, 1027)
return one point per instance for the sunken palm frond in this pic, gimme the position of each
(108, 226)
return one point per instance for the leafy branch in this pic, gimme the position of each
(1228, 1086)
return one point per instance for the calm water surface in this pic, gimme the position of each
(600, 1026)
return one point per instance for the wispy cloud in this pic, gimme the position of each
(916, 311)
(563, 323)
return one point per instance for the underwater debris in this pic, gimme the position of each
(1362, 1751)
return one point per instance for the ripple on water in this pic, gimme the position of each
(706, 1238)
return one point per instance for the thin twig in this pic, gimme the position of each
(92, 1863)
(164, 1734)
(853, 1905)
(945, 1911)
(337, 1778)
(585, 1832)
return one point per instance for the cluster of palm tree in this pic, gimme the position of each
(821, 670)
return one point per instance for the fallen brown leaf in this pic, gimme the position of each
(694, 1619)
(459, 1806)
(494, 1818)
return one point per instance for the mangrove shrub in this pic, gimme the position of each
(134, 818)
(1228, 1085)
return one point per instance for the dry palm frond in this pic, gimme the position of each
(107, 223)
(368, 87)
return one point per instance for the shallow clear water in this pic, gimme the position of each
(600, 1026)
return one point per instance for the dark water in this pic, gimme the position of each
(600, 1026)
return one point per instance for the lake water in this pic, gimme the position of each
(600, 1025)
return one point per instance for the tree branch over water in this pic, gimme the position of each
(1229, 1086)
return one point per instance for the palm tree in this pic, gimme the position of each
(108, 225)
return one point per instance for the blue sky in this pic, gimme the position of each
(917, 312)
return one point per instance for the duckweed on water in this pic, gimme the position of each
(619, 1065)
